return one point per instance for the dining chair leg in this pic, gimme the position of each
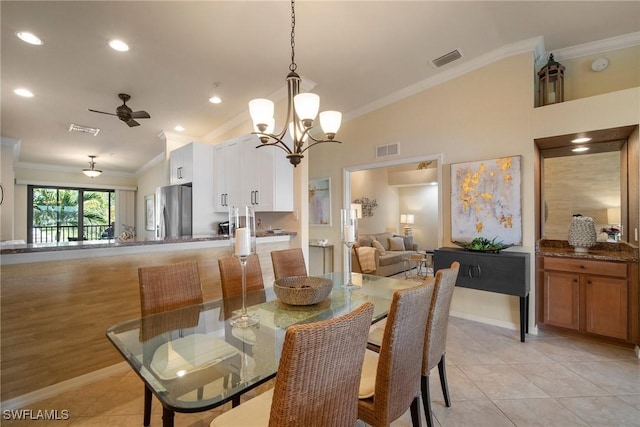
(443, 382)
(147, 406)
(426, 400)
(415, 412)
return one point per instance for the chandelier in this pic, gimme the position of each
(302, 109)
(91, 171)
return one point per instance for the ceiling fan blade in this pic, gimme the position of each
(132, 123)
(101, 112)
(140, 115)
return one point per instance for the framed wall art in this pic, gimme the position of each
(320, 201)
(485, 200)
(150, 212)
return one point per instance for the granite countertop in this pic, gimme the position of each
(18, 248)
(602, 251)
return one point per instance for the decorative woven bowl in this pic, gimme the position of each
(302, 290)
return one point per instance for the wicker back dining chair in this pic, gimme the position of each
(167, 287)
(391, 379)
(164, 288)
(288, 262)
(231, 275)
(436, 336)
(317, 380)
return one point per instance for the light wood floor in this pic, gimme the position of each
(494, 380)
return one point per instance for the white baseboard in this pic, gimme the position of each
(533, 330)
(64, 386)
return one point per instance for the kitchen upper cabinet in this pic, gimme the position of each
(188, 163)
(226, 163)
(192, 164)
(247, 176)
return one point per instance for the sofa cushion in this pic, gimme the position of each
(396, 243)
(393, 257)
(379, 247)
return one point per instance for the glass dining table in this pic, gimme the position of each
(193, 360)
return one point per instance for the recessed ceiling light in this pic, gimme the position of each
(118, 45)
(178, 128)
(23, 92)
(215, 100)
(29, 38)
(580, 140)
(580, 149)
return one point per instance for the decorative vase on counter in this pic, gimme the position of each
(582, 233)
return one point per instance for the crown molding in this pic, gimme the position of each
(151, 163)
(66, 169)
(597, 47)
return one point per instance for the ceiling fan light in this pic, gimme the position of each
(330, 122)
(307, 106)
(261, 111)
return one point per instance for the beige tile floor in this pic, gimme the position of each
(494, 380)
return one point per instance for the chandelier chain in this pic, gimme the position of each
(293, 65)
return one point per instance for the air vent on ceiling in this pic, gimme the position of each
(447, 58)
(388, 150)
(83, 129)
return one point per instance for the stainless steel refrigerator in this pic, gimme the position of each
(174, 209)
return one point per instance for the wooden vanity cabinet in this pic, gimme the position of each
(593, 297)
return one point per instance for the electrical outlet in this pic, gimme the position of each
(295, 215)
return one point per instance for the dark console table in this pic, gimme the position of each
(504, 273)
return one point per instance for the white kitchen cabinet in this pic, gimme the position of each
(192, 164)
(226, 162)
(247, 176)
(181, 165)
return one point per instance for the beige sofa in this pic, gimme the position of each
(391, 258)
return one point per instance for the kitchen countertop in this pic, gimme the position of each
(13, 248)
(602, 251)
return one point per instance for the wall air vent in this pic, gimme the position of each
(83, 129)
(388, 150)
(447, 58)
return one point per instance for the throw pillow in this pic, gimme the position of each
(379, 247)
(408, 242)
(365, 240)
(396, 244)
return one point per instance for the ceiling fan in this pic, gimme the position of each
(125, 113)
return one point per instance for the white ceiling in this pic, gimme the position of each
(357, 52)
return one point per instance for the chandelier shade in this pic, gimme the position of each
(91, 171)
(302, 110)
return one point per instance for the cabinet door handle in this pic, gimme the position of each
(180, 172)
(257, 198)
(470, 271)
(479, 271)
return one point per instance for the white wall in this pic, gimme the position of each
(422, 202)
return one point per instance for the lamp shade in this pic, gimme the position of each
(358, 208)
(330, 121)
(406, 218)
(261, 110)
(306, 105)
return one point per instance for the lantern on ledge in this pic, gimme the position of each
(551, 82)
